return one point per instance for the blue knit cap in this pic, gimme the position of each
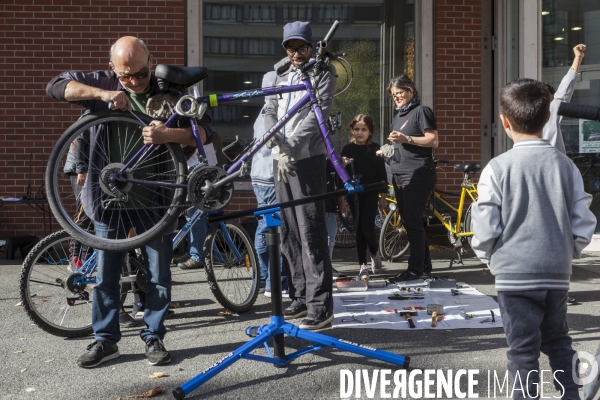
(298, 30)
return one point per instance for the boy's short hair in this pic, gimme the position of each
(526, 104)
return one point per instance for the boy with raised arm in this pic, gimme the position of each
(530, 220)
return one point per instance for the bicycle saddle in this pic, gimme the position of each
(468, 167)
(178, 76)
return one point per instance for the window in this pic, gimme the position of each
(297, 12)
(259, 13)
(221, 12)
(332, 12)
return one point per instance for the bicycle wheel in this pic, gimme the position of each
(468, 227)
(106, 142)
(393, 241)
(345, 237)
(231, 266)
(49, 294)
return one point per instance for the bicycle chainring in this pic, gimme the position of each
(202, 194)
(106, 184)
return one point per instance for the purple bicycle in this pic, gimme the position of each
(151, 183)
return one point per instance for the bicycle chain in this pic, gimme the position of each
(183, 205)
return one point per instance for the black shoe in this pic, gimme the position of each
(96, 353)
(191, 264)
(313, 322)
(156, 352)
(170, 313)
(181, 259)
(404, 276)
(127, 321)
(337, 275)
(293, 312)
(571, 301)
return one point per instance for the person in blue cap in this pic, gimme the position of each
(299, 165)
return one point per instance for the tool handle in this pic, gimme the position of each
(434, 319)
(410, 320)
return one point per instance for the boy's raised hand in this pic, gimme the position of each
(579, 50)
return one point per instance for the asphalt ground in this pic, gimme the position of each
(197, 338)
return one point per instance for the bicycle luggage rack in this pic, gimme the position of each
(278, 327)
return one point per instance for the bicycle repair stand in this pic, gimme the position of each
(278, 327)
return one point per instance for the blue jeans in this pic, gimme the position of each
(332, 229)
(265, 195)
(107, 293)
(197, 236)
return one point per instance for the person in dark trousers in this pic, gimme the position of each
(414, 135)
(127, 85)
(361, 154)
(530, 220)
(299, 164)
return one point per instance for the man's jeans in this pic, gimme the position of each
(107, 294)
(534, 321)
(265, 195)
(197, 236)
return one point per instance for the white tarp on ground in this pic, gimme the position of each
(372, 309)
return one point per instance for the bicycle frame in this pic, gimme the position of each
(468, 188)
(236, 169)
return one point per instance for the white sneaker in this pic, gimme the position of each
(284, 293)
(590, 389)
(364, 271)
(376, 263)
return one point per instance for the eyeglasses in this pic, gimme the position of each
(300, 50)
(143, 74)
(397, 94)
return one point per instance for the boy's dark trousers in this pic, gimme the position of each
(536, 320)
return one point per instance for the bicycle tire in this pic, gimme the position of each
(157, 209)
(393, 240)
(44, 291)
(233, 282)
(468, 225)
(345, 237)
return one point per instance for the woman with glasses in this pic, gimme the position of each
(414, 135)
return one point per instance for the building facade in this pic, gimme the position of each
(459, 53)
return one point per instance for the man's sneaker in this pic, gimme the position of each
(261, 290)
(364, 271)
(96, 353)
(190, 263)
(284, 293)
(313, 322)
(156, 352)
(404, 276)
(138, 311)
(337, 274)
(127, 321)
(295, 311)
(182, 259)
(74, 264)
(376, 263)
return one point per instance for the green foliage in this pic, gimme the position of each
(362, 97)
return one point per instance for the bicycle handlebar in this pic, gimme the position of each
(579, 111)
(323, 43)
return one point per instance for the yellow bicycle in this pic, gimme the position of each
(393, 241)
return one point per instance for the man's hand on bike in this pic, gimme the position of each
(119, 99)
(155, 133)
(81, 179)
(276, 140)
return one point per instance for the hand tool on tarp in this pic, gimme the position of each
(407, 314)
(413, 308)
(435, 310)
(398, 296)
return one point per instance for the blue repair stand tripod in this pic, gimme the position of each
(278, 327)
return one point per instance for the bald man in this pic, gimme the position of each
(128, 84)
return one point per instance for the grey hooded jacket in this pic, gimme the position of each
(301, 133)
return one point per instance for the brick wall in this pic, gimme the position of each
(458, 86)
(38, 40)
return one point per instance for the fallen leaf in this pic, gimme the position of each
(224, 314)
(44, 298)
(175, 305)
(49, 361)
(19, 304)
(22, 338)
(157, 375)
(147, 394)
(23, 370)
(18, 352)
(180, 369)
